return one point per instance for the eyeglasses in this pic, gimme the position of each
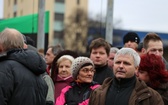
(86, 70)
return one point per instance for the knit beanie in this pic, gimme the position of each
(78, 63)
(131, 36)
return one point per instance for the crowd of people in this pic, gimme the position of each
(136, 74)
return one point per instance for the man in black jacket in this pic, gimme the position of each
(21, 82)
(99, 52)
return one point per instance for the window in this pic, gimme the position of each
(78, 2)
(77, 18)
(14, 14)
(15, 1)
(8, 2)
(62, 1)
(59, 16)
(58, 34)
(78, 36)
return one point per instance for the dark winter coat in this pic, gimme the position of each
(141, 94)
(60, 84)
(163, 91)
(102, 73)
(76, 94)
(21, 82)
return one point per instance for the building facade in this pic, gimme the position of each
(62, 16)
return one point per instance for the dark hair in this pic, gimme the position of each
(140, 46)
(100, 42)
(155, 67)
(30, 41)
(149, 37)
(56, 49)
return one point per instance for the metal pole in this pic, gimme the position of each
(41, 23)
(109, 22)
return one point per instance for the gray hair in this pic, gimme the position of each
(131, 52)
(113, 50)
(67, 57)
(11, 38)
(56, 49)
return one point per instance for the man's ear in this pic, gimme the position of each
(25, 46)
(136, 70)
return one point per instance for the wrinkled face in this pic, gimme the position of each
(99, 56)
(111, 60)
(49, 57)
(86, 74)
(143, 75)
(131, 44)
(124, 66)
(155, 47)
(64, 68)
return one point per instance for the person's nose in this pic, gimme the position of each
(64, 69)
(45, 56)
(121, 65)
(97, 55)
(90, 73)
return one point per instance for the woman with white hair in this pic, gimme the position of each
(64, 76)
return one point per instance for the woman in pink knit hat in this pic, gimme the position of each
(79, 91)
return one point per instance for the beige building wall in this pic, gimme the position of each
(26, 7)
(71, 5)
(70, 39)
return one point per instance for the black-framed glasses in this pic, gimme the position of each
(86, 70)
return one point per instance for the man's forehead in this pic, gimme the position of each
(157, 47)
(121, 56)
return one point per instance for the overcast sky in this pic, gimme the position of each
(141, 15)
